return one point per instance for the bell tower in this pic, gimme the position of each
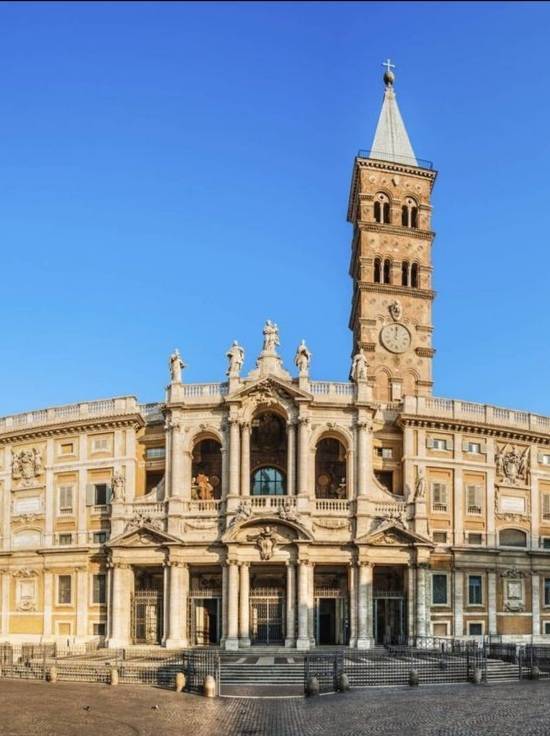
(391, 259)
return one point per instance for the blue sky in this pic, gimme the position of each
(174, 174)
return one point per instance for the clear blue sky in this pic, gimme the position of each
(174, 174)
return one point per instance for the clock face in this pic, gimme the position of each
(396, 338)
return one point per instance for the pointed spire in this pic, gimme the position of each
(391, 142)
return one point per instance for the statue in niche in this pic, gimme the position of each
(303, 358)
(176, 367)
(420, 487)
(359, 367)
(271, 337)
(204, 490)
(236, 359)
(118, 483)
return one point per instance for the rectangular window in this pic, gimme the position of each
(475, 629)
(475, 538)
(100, 494)
(547, 627)
(545, 542)
(439, 589)
(66, 500)
(475, 596)
(100, 444)
(546, 506)
(440, 537)
(65, 539)
(439, 497)
(473, 496)
(155, 453)
(473, 447)
(66, 448)
(98, 629)
(64, 586)
(439, 444)
(545, 459)
(99, 589)
(547, 591)
(385, 452)
(100, 537)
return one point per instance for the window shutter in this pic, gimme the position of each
(429, 443)
(108, 493)
(483, 447)
(540, 457)
(546, 504)
(465, 446)
(90, 494)
(450, 444)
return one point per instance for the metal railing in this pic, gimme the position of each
(417, 163)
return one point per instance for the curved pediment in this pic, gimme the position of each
(286, 531)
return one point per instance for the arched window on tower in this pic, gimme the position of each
(409, 213)
(377, 271)
(405, 273)
(414, 275)
(382, 208)
(387, 271)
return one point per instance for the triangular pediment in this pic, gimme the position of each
(273, 389)
(144, 535)
(393, 534)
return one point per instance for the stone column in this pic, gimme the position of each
(177, 480)
(48, 603)
(225, 588)
(291, 459)
(303, 455)
(81, 602)
(303, 595)
(352, 594)
(225, 474)
(362, 458)
(120, 613)
(535, 595)
(108, 600)
(492, 602)
(411, 618)
(311, 606)
(290, 638)
(244, 604)
(364, 603)
(234, 451)
(177, 602)
(458, 603)
(421, 599)
(245, 459)
(232, 640)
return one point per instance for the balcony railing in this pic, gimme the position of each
(417, 163)
(333, 390)
(332, 505)
(211, 506)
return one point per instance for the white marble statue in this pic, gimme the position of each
(235, 355)
(359, 366)
(176, 367)
(271, 337)
(118, 484)
(303, 358)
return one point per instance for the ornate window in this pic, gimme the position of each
(382, 208)
(330, 469)
(387, 271)
(512, 538)
(405, 273)
(414, 276)
(268, 482)
(377, 271)
(409, 213)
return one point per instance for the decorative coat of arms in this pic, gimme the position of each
(265, 542)
(27, 465)
(511, 464)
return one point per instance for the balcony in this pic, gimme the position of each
(332, 506)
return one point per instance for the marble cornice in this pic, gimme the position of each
(389, 229)
(23, 433)
(461, 425)
(395, 289)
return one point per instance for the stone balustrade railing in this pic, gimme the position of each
(332, 505)
(210, 506)
(469, 411)
(70, 412)
(272, 502)
(157, 508)
(332, 390)
(386, 509)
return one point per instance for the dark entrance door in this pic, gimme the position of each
(327, 620)
(389, 620)
(205, 621)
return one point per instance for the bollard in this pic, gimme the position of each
(52, 674)
(413, 678)
(312, 686)
(535, 672)
(113, 680)
(209, 687)
(477, 676)
(342, 683)
(180, 681)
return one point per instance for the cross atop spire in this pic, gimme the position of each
(391, 142)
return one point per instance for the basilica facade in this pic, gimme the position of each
(273, 509)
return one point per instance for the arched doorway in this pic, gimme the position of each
(268, 455)
(206, 469)
(330, 468)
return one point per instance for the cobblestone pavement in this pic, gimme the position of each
(32, 708)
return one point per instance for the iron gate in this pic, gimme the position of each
(147, 615)
(266, 618)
